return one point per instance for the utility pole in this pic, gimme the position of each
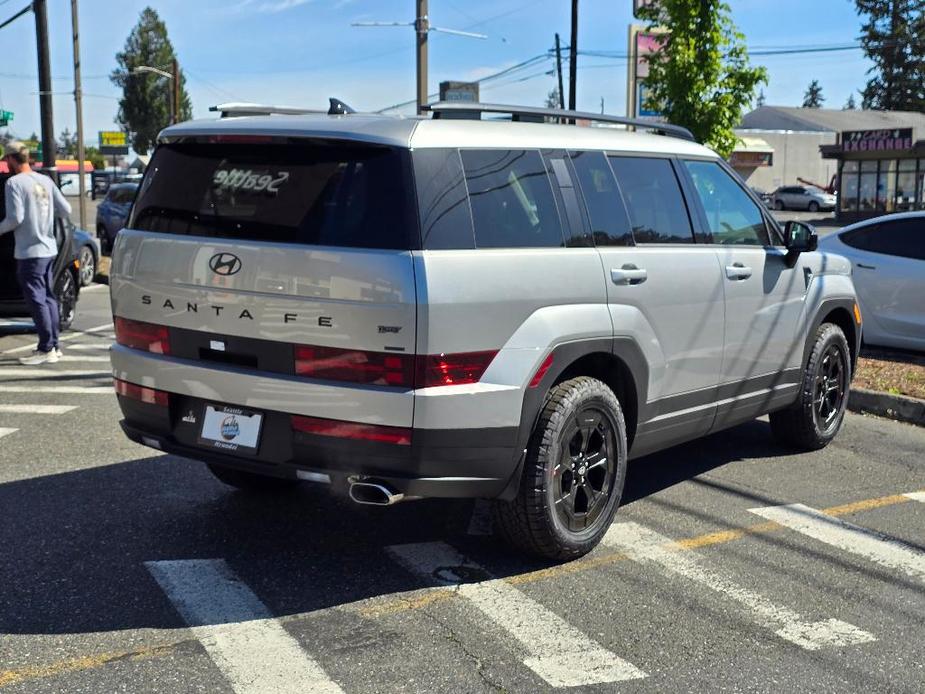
(573, 57)
(559, 71)
(78, 102)
(175, 69)
(422, 27)
(49, 150)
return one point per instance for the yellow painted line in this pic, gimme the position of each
(87, 662)
(866, 505)
(401, 604)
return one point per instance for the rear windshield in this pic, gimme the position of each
(331, 194)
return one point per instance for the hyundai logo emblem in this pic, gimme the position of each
(225, 264)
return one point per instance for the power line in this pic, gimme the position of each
(25, 10)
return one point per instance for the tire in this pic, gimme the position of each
(250, 481)
(813, 206)
(87, 266)
(66, 293)
(815, 419)
(778, 205)
(557, 465)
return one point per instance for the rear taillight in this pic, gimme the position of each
(144, 336)
(385, 369)
(355, 366)
(141, 393)
(452, 369)
(351, 430)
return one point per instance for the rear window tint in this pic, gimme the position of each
(609, 222)
(331, 194)
(511, 198)
(653, 199)
(442, 201)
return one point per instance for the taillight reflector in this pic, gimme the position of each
(540, 372)
(141, 393)
(144, 336)
(355, 366)
(452, 369)
(351, 430)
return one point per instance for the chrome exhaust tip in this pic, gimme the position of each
(374, 494)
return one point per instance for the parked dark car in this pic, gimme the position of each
(88, 254)
(112, 213)
(67, 276)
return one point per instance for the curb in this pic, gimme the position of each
(898, 407)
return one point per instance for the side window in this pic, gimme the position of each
(653, 200)
(442, 203)
(904, 238)
(511, 198)
(732, 217)
(609, 223)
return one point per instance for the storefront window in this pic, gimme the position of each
(867, 188)
(920, 186)
(848, 197)
(905, 186)
(886, 185)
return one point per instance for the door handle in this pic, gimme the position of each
(738, 271)
(628, 274)
(867, 267)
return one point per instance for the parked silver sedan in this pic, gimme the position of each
(802, 198)
(887, 255)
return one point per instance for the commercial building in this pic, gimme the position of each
(873, 160)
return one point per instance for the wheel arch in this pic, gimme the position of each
(839, 312)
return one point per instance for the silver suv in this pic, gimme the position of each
(449, 307)
(802, 198)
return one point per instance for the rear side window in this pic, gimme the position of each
(904, 238)
(653, 200)
(324, 193)
(443, 205)
(731, 215)
(609, 223)
(512, 200)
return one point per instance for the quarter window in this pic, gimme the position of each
(653, 200)
(609, 224)
(442, 201)
(512, 200)
(732, 217)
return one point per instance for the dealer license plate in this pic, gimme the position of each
(231, 429)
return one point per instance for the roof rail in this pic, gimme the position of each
(458, 109)
(232, 109)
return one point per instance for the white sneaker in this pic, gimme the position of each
(39, 357)
(58, 352)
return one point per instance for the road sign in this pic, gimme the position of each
(5, 117)
(113, 142)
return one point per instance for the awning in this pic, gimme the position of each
(753, 144)
(752, 152)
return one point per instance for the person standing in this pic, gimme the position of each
(32, 203)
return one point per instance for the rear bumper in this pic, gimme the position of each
(438, 463)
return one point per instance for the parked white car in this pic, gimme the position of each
(887, 256)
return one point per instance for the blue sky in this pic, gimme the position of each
(299, 52)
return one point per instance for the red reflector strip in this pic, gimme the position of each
(452, 369)
(540, 372)
(351, 430)
(144, 336)
(355, 366)
(141, 393)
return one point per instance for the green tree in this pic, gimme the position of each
(144, 108)
(813, 97)
(95, 157)
(701, 77)
(850, 105)
(894, 40)
(67, 145)
(552, 98)
(759, 102)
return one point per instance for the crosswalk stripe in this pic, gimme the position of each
(882, 549)
(251, 648)
(916, 496)
(36, 409)
(64, 338)
(647, 546)
(62, 390)
(89, 347)
(557, 652)
(6, 432)
(16, 373)
(87, 359)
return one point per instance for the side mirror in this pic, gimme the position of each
(800, 237)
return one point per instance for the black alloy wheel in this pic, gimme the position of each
(66, 293)
(830, 389)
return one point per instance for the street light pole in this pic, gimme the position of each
(49, 150)
(421, 25)
(176, 90)
(78, 102)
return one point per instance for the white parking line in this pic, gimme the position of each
(557, 651)
(60, 390)
(64, 338)
(36, 409)
(916, 496)
(882, 549)
(647, 546)
(248, 645)
(17, 373)
(6, 432)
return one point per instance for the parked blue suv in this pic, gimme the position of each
(112, 213)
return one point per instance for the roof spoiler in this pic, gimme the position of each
(464, 109)
(235, 109)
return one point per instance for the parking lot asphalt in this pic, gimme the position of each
(734, 565)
